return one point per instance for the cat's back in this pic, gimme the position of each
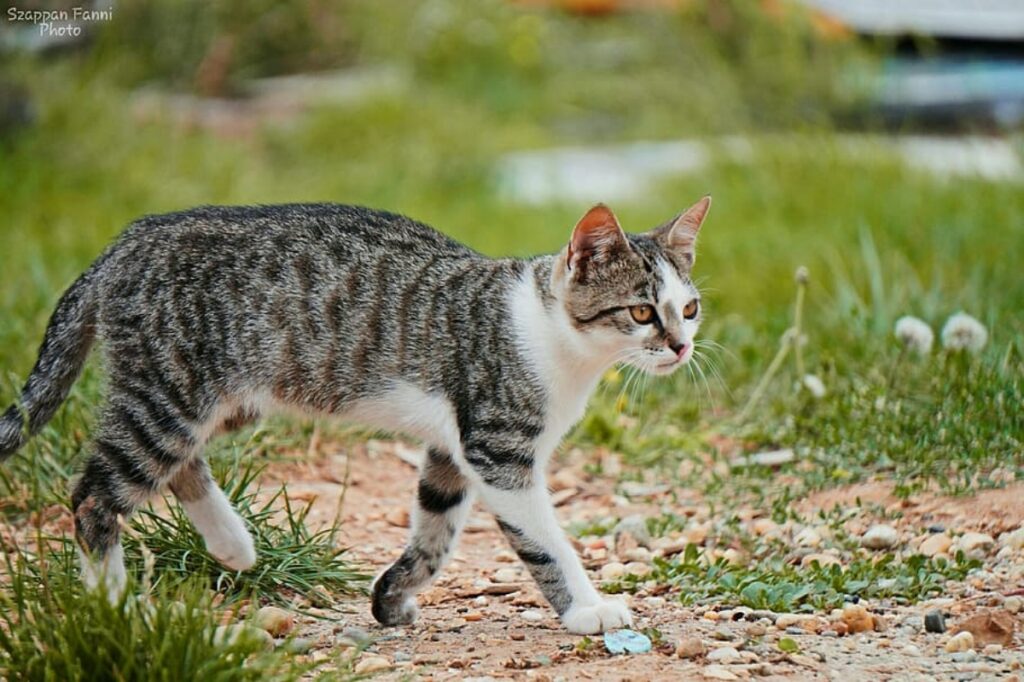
(342, 231)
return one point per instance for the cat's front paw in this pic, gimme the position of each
(607, 614)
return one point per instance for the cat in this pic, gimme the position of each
(214, 316)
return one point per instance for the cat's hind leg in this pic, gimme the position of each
(132, 456)
(443, 502)
(227, 539)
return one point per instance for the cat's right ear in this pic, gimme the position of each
(595, 239)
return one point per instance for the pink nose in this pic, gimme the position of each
(679, 348)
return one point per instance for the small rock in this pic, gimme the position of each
(1013, 539)
(725, 654)
(506, 556)
(637, 568)
(880, 536)
(935, 545)
(472, 616)
(880, 624)
(298, 645)
(398, 517)
(934, 621)
(990, 627)
(960, 642)
(734, 557)
(641, 554)
(532, 616)
(824, 560)
(372, 664)
(911, 650)
(690, 647)
(786, 620)
(277, 622)
(756, 630)
(857, 619)
(808, 537)
(506, 575)
(964, 656)
(764, 527)
(635, 525)
(1014, 604)
(723, 634)
(627, 642)
(353, 637)
(613, 571)
(718, 672)
(230, 634)
(992, 649)
(976, 543)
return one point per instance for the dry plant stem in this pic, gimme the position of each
(895, 368)
(762, 385)
(798, 316)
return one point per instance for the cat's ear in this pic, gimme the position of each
(680, 236)
(596, 238)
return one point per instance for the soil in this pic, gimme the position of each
(465, 633)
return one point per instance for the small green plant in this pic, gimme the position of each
(290, 557)
(52, 629)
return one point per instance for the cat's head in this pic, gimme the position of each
(629, 296)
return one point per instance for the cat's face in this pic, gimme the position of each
(630, 297)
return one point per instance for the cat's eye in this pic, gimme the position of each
(690, 309)
(642, 314)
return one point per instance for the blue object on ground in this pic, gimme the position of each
(626, 642)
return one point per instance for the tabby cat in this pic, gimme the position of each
(214, 316)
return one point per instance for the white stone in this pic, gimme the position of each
(976, 542)
(613, 571)
(725, 654)
(880, 536)
(808, 537)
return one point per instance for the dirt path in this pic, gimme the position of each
(484, 618)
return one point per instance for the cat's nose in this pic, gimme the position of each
(678, 348)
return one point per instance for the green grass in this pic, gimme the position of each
(292, 560)
(51, 629)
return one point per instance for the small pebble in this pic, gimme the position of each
(725, 654)
(690, 647)
(880, 536)
(934, 621)
(532, 616)
(298, 645)
(723, 634)
(911, 650)
(372, 664)
(1014, 604)
(277, 622)
(613, 571)
(964, 656)
(506, 575)
(962, 641)
(993, 650)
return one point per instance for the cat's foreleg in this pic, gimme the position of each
(528, 520)
(443, 502)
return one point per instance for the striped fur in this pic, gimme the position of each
(212, 317)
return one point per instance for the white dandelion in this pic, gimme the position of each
(963, 332)
(815, 385)
(915, 334)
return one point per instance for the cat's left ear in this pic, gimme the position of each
(680, 236)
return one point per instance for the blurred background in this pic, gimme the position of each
(877, 143)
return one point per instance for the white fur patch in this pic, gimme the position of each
(108, 572)
(223, 530)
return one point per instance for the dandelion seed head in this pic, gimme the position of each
(963, 332)
(915, 334)
(802, 275)
(815, 385)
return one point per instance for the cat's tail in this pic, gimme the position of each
(69, 336)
